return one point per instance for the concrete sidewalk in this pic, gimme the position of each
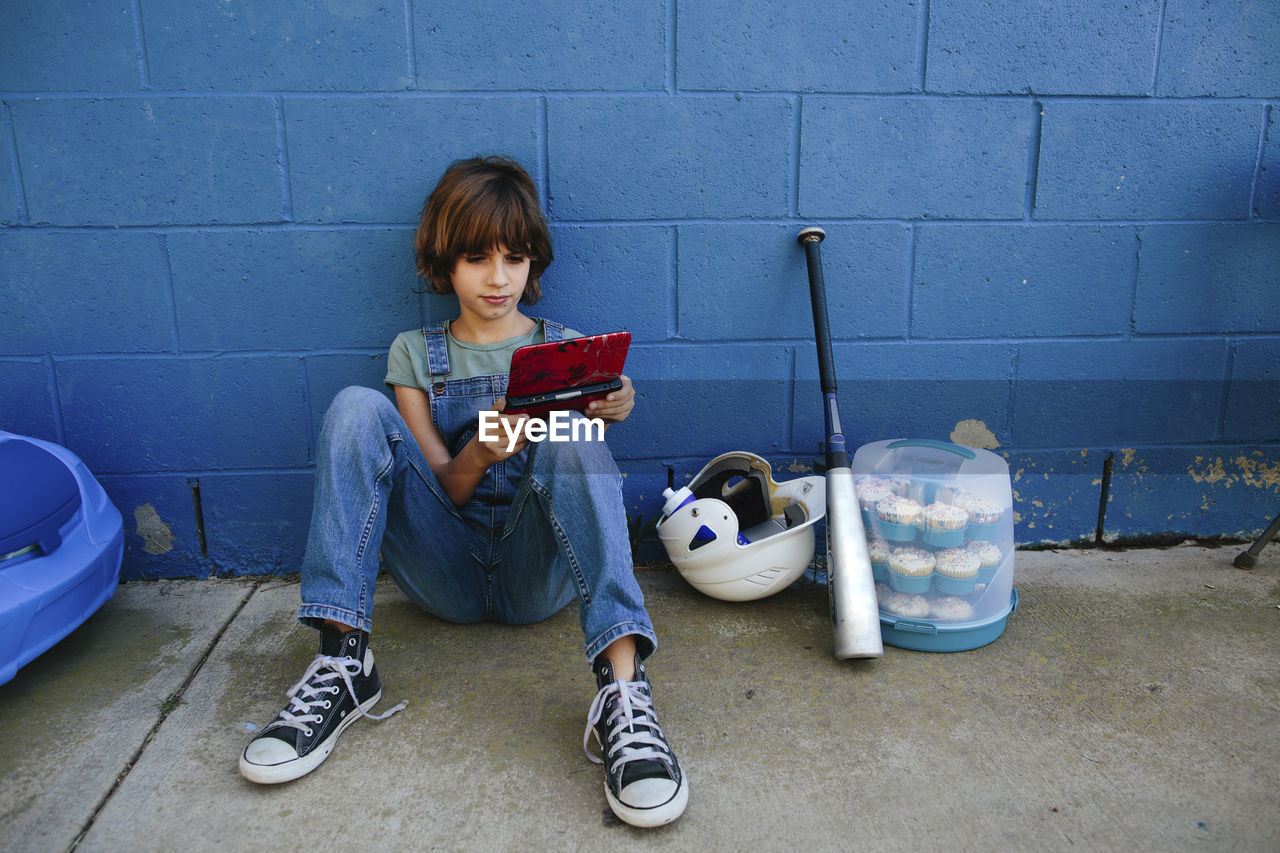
(1132, 703)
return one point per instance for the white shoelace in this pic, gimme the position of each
(303, 695)
(634, 707)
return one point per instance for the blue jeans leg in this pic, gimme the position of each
(375, 490)
(566, 535)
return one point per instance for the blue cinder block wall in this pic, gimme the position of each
(1054, 231)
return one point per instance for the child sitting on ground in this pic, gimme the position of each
(473, 529)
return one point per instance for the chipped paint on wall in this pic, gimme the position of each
(972, 432)
(157, 535)
(1252, 470)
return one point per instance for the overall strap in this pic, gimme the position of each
(552, 331)
(437, 352)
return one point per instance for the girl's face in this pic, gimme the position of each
(489, 285)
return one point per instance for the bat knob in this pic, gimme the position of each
(812, 234)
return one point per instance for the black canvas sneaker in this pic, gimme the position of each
(642, 779)
(339, 686)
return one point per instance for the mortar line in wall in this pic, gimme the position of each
(15, 166)
(186, 228)
(140, 45)
(1015, 362)
(543, 144)
(193, 474)
(793, 385)
(672, 76)
(1132, 329)
(55, 395)
(1033, 161)
(911, 276)
(673, 280)
(171, 702)
(1155, 61)
(1228, 370)
(870, 341)
(922, 45)
(596, 94)
(282, 161)
(1087, 449)
(411, 45)
(1259, 165)
(1104, 495)
(170, 294)
(793, 151)
(306, 407)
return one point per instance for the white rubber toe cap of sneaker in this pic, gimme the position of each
(269, 751)
(648, 793)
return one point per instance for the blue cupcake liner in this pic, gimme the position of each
(983, 532)
(895, 532)
(910, 583)
(939, 538)
(954, 586)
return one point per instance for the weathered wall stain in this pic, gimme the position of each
(972, 432)
(157, 534)
(1252, 470)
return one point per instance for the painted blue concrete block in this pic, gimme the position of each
(129, 415)
(69, 47)
(256, 523)
(540, 45)
(705, 400)
(1212, 490)
(84, 292)
(329, 374)
(975, 281)
(1223, 48)
(1055, 494)
(376, 159)
(239, 45)
(1208, 278)
(689, 157)
(750, 282)
(1147, 160)
(607, 278)
(900, 390)
(149, 161)
(772, 45)
(1266, 199)
(1042, 46)
(161, 537)
(1101, 393)
(913, 157)
(291, 290)
(1253, 394)
(27, 404)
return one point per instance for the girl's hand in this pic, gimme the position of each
(499, 445)
(615, 406)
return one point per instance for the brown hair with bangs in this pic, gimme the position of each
(479, 204)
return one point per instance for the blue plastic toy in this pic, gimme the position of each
(61, 543)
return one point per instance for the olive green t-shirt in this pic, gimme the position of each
(407, 360)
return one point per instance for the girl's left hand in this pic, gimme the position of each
(615, 406)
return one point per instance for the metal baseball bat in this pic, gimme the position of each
(855, 613)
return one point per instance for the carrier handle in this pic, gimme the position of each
(936, 445)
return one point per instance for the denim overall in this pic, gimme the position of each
(543, 526)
